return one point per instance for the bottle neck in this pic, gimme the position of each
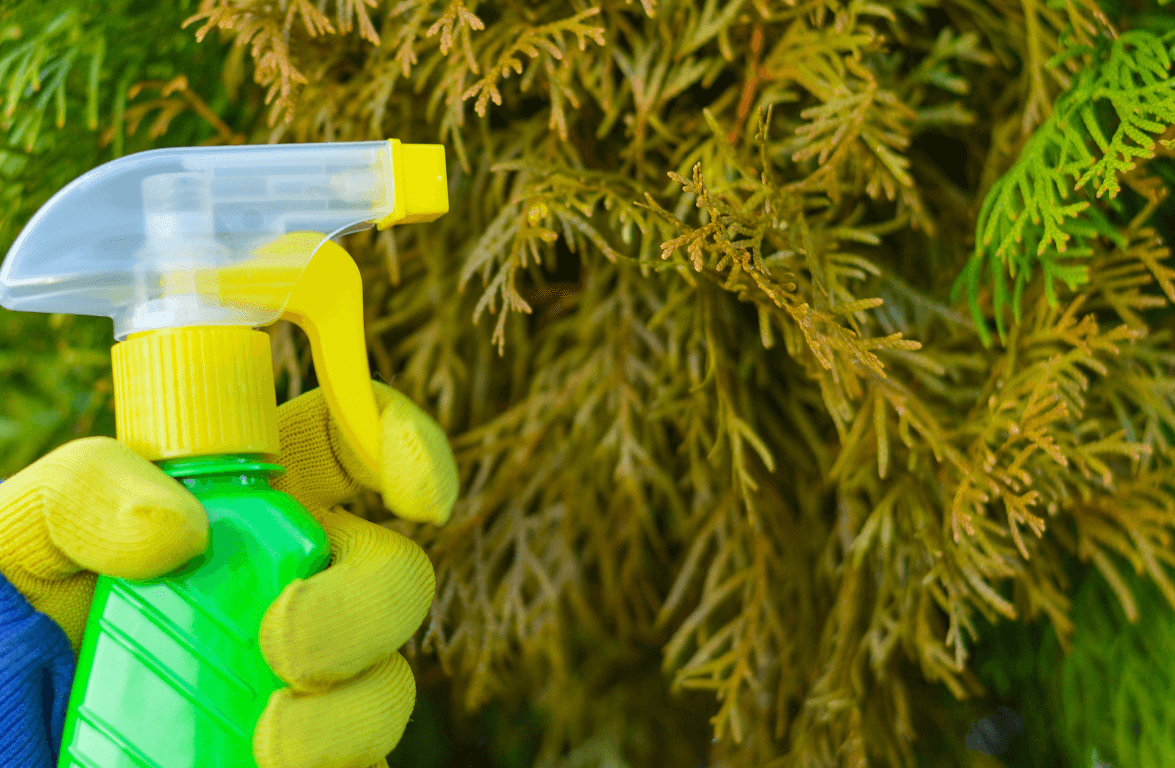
(245, 470)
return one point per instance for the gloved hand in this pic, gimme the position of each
(93, 506)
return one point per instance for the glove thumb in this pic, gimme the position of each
(94, 504)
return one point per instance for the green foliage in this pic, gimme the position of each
(1026, 216)
(51, 53)
(1020, 662)
(1117, 677)
(55, 385)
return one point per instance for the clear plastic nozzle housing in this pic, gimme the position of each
(140, 239)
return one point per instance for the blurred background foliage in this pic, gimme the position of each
(568, 629)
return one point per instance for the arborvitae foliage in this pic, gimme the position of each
(1115, 676)
(1026, 217)
(657, 496)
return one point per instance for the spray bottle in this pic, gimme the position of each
(190, 250)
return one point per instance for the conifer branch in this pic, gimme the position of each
(715, 453)
(1026, 218)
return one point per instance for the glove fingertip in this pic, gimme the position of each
(420, 478)
(274, 633)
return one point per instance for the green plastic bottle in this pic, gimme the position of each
(190, 250)
(196, 625)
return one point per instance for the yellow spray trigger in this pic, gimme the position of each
(327, 304)
(325, 299)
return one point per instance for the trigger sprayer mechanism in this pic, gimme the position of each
(189, 250)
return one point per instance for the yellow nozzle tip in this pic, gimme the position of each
(421, 184)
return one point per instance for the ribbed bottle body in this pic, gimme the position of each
(170, 672)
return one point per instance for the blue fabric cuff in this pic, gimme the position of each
(36, 672)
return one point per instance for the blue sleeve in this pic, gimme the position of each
(36, 671)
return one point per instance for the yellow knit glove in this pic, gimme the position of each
(93, 506)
